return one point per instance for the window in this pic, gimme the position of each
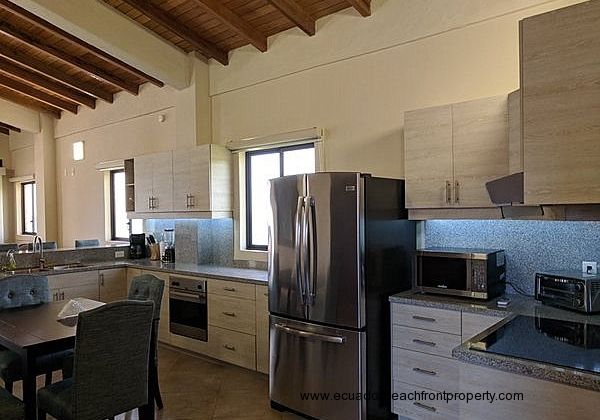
(261, 166)
(28, 209)
(118, 210)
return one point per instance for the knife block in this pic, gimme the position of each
(154, 252)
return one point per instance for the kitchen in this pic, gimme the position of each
(462, 100)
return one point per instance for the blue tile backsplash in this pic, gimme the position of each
(530, 245)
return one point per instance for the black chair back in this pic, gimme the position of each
(147, 287)
(111, 359)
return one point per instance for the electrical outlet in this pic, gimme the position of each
(119, 254)
(589, 267)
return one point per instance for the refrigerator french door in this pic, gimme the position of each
(336, 241)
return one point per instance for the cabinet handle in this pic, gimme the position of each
(229, 313)
(192, 201)
(426, 407)
(229, 289)
(424, 371)
(424, 343)
(229, 347)
(456, 192)
(55, 297)
(155, 203)
(62, 295)
(448, 192)
(149, 203)
(102, 280)
(423, 318)
(187, 201)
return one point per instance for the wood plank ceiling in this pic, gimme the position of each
(45, 68)
(215, 27)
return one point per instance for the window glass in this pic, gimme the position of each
(119, 220)
(28, 210)
(261, 166)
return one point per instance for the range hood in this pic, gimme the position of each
(507, 190)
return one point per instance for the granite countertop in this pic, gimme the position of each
(520, 305)
(246, 275)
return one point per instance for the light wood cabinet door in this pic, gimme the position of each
(131, 274)
(515, 139)
(232, 313)
(143, 173)
(560, 83)
(162, 181)
(262, 329)
(89, 291)
(200, 173)
(480, 148)
(428, 157)
(113, 284)
(182, 180)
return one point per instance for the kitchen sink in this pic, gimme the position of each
(33, 270)
(68, 266)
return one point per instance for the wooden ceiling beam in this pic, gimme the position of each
(38, 95)
(44, 69)
(362, 6)
(36, 79)
(10, 127)
(235, 23)
(159, 16)
(91, 70)
(4, 130)
(296, 13)
(27, 102)
(37, 21)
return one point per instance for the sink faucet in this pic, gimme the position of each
(39, 242)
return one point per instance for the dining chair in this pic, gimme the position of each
(17, 292)
(86, 243)
(46, 245)
(11, 408)
(149, 287)
(110, 366)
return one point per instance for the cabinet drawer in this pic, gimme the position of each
(430, 342)
(425, 370)
(425, 409)
(262, 297)
(232, 313)
(233, 347)
(427, 318)
(233, 289)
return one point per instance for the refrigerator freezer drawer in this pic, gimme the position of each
(317, 371)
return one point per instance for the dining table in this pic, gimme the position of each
(35, 331)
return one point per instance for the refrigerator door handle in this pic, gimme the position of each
(298, 240)
(311, 284)
(307, 334)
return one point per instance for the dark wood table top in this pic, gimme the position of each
(34, 325)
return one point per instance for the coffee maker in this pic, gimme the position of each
(137, 246)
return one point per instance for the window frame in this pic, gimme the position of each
(33, 210)
(113, 236)
(248, 183)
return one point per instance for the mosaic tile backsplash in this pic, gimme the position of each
(530, 245)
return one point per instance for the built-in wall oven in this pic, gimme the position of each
(188, 312)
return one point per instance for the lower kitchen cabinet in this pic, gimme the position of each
(262, 329)
(112, 284)
(232, 313)
(134, 272)
(73, 285)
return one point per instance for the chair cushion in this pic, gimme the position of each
(57, 399)
(10, 407)
(11, 367)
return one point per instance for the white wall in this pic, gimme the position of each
(357, 76)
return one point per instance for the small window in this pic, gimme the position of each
(261, 166)
(28, 209)
(118, 211)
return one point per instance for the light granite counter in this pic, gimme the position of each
(520, 305)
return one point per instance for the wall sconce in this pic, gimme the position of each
(78, 153)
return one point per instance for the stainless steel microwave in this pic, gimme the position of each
(472, 273)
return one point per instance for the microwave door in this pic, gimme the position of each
(444, 273)
(334, 280)
(287, 295)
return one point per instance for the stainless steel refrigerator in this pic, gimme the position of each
(339, 245)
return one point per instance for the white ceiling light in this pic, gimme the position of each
(78, 153)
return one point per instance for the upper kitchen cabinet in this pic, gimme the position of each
(154, 182)
(560, 84)
(202, 179)
(452, 151)
(184, 183)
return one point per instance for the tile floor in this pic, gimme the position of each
(195, 388)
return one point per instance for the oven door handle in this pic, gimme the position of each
(188, 297)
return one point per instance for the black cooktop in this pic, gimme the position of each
(562, 343)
